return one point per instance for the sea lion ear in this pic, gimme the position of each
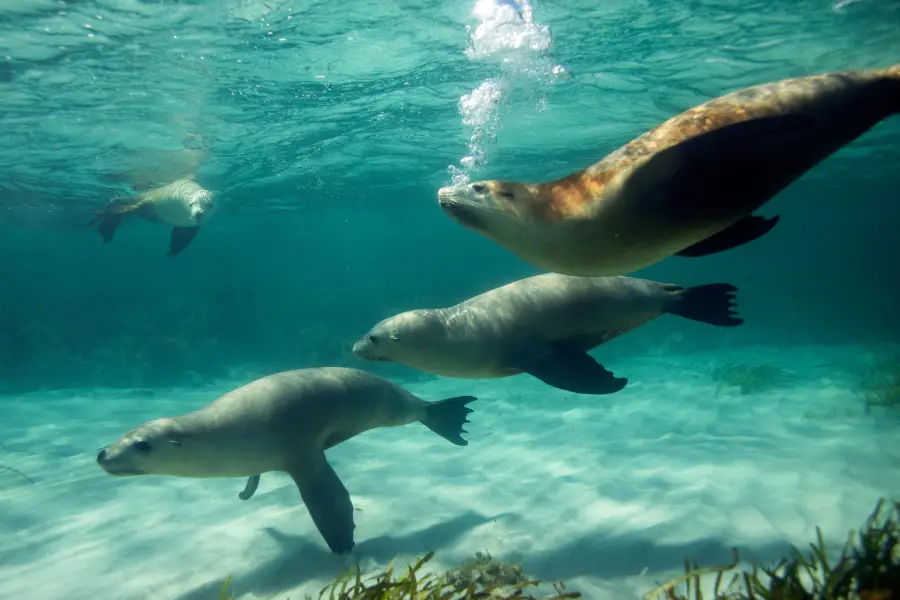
(175, 442)
(394, 335)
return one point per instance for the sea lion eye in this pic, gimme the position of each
(373, 339)
(142, 446)
(477, 188)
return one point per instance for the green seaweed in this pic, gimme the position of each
(879, 385)
(487, 572)
(868, 568)
(464, 583)
(749, 379)
(480, 579)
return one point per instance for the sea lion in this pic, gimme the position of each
(183, 204)
(284, 422)
(542, 325)
(685, 188)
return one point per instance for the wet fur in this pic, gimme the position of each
(168, 204)
(284, 422)
(614, 217)
(504, 331)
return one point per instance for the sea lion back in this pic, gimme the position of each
(328, 400)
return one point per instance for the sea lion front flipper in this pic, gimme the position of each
(181, 239)
(567, 367)
(327, 501)
(687, 167)
(250, 488)
(746, 230)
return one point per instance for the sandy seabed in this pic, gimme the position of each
(609, 494)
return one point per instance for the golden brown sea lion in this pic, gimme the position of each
(687, 187)
(182, 204)
(542, 325)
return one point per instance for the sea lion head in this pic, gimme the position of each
(399, 338)
(541, 222)
(493, 208)
(202, 205)
(152, 448)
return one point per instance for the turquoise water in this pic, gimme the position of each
(325, 129)
(330, 129)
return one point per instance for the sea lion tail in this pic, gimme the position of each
(447, 418)
(712, 303)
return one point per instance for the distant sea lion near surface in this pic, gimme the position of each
(183, 204)
(284, 422)
(542, 325)
(687, 187)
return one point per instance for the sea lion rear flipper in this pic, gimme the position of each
(746, 230)
(112, 214)
(447, 418)
(181, 239)
(568, 367)
(108, 225)
(327, 501)
(688, 167)
(712, 303)
(250, 488)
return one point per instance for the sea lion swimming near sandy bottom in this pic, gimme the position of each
(685, 188)
(284, 422)
(542, 325)
(183, 204)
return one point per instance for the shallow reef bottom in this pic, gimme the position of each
(868, 568)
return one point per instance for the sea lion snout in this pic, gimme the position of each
(450, 196)
(359, 348)
(445, 194)
(445, 198)
(363, 348)
(107, 461)
(202, 206)
(456, 202)
(198, 212)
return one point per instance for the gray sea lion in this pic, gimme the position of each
(542, 325)
(183, 204)
(685, 188)
(284, 422)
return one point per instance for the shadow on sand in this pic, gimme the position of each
(301, 561)
(614, 557)
(602, 554)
